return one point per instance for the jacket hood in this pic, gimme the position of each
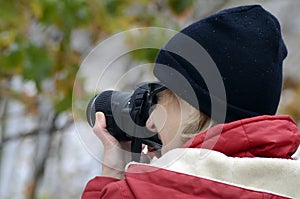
(262, 136)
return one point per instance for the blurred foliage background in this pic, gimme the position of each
(38, 64)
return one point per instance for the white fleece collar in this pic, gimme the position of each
(272, 175)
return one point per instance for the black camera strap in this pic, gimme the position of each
(140, 103)
(136, 149)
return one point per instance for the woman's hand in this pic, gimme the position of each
(116, 154)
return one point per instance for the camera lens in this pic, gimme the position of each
(101, 103)
(109, 102)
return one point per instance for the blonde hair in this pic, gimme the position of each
(195, 121)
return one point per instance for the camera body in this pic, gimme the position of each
(126, 115)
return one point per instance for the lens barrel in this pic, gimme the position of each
(103, 103)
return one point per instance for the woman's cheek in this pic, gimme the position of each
(159, 117)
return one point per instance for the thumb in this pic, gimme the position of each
(100, 125)
(101, 131)
(100, 120)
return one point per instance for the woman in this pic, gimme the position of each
(246, 154)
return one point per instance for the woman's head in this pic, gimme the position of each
(229, 63)
(175, 120)
(228, 66)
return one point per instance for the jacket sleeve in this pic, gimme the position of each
(102, 187)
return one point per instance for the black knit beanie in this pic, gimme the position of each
(245, 45)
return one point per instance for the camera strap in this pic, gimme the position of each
(136, 149)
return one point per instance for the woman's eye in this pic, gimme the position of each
(157, 99)
(154, 99)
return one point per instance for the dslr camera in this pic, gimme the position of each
(126, 115)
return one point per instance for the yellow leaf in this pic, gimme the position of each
(36, 8)
(7, 37)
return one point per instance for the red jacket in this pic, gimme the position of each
(216, 172)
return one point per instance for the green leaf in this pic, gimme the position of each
(37, 64)
(114, 7)
(12, 59)
(64, 102)
(146, 54)
(179, 6)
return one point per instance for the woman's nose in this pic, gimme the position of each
(150, 125)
